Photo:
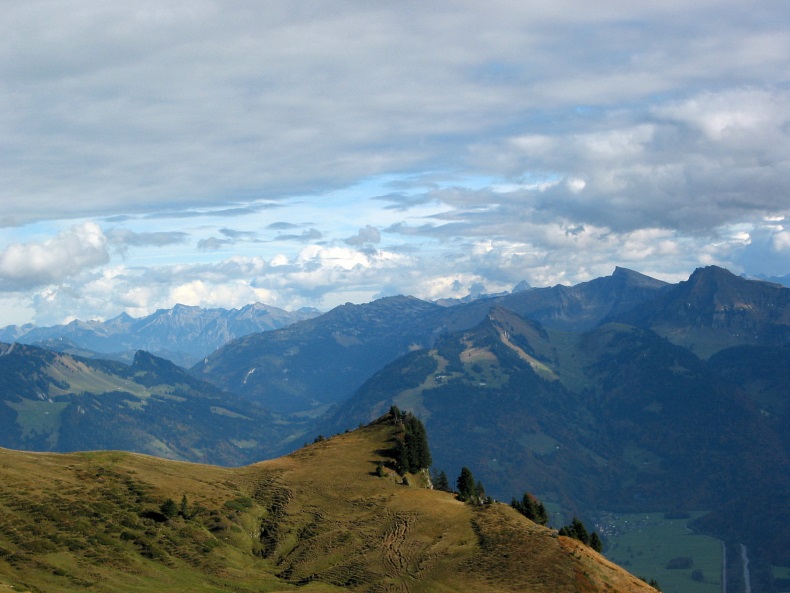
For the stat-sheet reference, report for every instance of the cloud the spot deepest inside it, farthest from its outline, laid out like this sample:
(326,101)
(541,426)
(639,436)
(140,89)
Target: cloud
(282,226)
(122,239)
(238,235)
(208,212)
(366,236)
(231,237)
(435,146)
(404,202)
(781,241)
(28,265)
(213,244)
(304,237)
(692,165)
(240,103)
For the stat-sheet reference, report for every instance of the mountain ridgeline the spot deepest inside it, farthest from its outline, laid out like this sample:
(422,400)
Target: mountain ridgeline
(622,393)
(310,365)
(182,334)
(57,402)
(318,520)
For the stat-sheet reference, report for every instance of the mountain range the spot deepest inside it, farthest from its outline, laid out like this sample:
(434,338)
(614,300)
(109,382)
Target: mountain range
(308,366)
(614,418)
(50,401)
(182,334)
(622,393)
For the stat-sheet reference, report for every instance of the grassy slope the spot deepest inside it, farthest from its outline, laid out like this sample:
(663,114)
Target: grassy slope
(318,520)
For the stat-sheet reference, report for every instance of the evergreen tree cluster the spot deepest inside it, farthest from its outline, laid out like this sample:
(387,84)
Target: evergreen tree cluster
(470,490)
(531,508)
(411,452)
(578,531)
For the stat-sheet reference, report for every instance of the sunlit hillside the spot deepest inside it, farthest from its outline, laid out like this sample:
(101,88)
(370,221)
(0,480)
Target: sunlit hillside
(318,520)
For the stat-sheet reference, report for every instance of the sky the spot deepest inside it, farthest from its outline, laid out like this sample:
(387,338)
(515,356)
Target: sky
(312,153)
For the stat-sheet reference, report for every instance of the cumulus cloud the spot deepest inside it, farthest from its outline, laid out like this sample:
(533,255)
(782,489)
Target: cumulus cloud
(28,265)
(693,165)
(781,241)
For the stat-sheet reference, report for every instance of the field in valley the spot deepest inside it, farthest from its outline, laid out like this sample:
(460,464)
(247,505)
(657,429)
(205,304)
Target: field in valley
(649,545)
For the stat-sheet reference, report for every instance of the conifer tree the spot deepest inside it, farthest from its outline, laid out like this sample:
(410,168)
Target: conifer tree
(581,531)
(531,508)
(480,492)
(542,516)
(595,542)
(577,530)
(465,484)
(169,508)
(440,481)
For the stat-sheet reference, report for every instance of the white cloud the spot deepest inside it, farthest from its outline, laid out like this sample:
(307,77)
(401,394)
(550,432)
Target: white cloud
(234,294)
(575,185)
(500,141)
(27,265)
(781,241)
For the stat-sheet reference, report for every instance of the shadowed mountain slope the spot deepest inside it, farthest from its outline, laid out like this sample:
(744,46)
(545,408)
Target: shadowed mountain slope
(585,305)
(715,309)
(319,520)
(311,364)
(321,361)
(615,418)
(56,402)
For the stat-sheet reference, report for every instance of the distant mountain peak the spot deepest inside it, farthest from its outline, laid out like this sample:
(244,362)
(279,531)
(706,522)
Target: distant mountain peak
(145,361)
(178,308)
(122,317)
(521,287)
(723,277)
(711,272)
(715,309)
(184,333)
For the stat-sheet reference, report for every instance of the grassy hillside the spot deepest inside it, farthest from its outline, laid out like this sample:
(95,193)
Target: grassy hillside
(56,402)
(319,520)
(617,418)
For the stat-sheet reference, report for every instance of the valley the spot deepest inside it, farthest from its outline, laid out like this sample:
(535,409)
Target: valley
(604,395)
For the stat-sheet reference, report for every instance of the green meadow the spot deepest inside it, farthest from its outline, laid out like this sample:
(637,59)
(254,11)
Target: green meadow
(649,545)
(782,576)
